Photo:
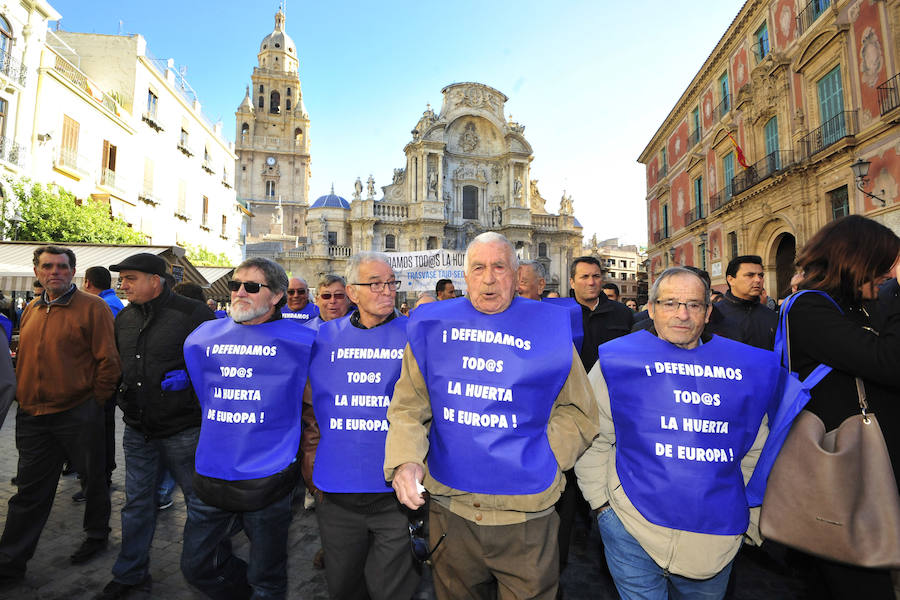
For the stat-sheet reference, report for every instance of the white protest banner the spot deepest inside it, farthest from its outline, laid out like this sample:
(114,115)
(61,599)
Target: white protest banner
(420,271)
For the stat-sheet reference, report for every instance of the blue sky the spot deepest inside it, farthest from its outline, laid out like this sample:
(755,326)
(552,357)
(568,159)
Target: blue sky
(590,80)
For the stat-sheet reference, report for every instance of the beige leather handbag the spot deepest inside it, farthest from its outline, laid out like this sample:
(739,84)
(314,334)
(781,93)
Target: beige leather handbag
(833,494)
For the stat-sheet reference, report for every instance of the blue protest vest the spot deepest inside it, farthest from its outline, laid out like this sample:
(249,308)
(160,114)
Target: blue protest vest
(352,375)
(304,314)
(684,419)
(574,315)
(492,381)
(249,380)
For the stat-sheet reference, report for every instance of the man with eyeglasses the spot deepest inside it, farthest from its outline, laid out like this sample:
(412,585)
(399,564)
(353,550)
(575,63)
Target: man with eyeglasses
(493,393)
(331,299)
(683,420)
(355,364)
(298,305)
(246,370)
(160,410)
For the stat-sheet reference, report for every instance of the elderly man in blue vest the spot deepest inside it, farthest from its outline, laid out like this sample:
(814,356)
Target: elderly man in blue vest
(492,391)
(246,371)
(683,422)
(355,364)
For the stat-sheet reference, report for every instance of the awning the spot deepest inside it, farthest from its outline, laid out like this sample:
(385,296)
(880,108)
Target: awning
(17,267)
(218,278)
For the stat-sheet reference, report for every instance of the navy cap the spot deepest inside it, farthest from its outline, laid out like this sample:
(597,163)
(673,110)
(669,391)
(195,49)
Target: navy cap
(145,262)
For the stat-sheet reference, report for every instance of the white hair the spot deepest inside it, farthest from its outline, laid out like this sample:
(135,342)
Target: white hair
(492,237)
(363,257)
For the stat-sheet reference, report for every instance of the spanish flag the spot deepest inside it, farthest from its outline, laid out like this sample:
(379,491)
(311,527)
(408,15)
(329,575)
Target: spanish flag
(742,160)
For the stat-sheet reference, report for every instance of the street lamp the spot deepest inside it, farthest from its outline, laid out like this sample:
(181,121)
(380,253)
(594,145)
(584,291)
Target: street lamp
(861,173)
(17,221)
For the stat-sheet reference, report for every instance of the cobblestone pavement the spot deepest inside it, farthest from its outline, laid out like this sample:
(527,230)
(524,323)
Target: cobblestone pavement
(50,576)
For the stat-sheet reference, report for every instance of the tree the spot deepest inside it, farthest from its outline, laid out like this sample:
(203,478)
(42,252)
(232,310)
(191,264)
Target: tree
(201,257)
(52,214)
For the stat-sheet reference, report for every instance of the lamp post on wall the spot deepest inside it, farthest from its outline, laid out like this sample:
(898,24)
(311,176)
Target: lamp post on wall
(861,173)
(16,221)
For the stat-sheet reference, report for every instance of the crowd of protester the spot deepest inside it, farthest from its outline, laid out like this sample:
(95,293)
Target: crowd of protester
(474,432)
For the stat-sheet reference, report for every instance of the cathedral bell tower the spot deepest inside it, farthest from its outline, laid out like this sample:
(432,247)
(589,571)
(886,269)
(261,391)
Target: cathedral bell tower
(272,142)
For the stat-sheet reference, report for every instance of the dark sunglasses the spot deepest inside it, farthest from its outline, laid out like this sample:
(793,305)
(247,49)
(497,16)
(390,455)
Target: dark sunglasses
(296,292)
(418,543)
(337,296)
(250,286)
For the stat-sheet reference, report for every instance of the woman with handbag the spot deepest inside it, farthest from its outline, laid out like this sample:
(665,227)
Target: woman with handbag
(848,260)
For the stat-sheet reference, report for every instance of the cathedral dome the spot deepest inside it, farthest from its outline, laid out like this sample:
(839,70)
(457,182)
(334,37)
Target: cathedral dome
(278,40)
(331,200)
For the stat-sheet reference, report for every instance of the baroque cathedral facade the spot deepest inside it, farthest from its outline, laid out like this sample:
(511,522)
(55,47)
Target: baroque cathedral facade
(467,170)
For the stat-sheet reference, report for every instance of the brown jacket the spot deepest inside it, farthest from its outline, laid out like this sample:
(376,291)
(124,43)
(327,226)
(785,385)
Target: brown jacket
(572,425)
(67,354)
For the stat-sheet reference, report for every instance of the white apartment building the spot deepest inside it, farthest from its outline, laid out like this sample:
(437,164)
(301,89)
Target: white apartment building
(116,124)
(23,26)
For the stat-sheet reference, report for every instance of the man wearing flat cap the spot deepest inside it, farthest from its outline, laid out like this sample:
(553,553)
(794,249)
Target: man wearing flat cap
(161,412)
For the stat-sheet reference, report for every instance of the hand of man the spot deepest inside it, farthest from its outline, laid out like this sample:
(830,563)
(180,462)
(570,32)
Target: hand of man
(406,477)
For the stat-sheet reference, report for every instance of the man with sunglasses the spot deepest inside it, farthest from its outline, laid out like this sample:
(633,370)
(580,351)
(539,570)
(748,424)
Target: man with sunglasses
(331,299)
(355,364)
(160,409)
(246,370)
(298,305)
(493,393)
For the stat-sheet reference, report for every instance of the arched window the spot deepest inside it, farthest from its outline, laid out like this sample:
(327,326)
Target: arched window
(287,103)
(542,250)
(390,242)
(470,202)
(6,36)
(262,90)
(298,135)
(245,129)
(262,102)
(431,243)
(275,102)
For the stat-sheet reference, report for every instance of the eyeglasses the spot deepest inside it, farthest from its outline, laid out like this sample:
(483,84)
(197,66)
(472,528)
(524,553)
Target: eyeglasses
(671,306)
(337,296)
(378,286)
(296,292)
(250,286)
(417,541)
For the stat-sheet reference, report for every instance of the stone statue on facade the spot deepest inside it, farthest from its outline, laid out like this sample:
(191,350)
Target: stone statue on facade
(432,184)
(370,188)
(517,188)
(398,176)
(357,189)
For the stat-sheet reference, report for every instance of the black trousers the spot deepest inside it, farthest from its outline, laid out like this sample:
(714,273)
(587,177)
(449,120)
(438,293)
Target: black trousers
(43,443)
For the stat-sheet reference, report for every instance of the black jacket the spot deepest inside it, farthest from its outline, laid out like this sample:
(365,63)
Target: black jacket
(608,321)
(819,333)
(150,338)
(748,321)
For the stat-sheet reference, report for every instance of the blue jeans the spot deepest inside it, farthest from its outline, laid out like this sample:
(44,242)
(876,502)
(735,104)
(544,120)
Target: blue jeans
(209,565)
(638,577)
(143,461)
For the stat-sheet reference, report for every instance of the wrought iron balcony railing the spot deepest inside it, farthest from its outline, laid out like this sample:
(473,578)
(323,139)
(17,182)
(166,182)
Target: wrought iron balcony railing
(812,11)
(723,107)
(762,170)
(693,138)
(10,151)
(834,129)
(889,94)
(12,68)
(694,215)
(660,234)
(721,198)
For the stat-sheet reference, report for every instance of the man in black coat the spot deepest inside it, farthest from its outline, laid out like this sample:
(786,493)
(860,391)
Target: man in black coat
(161,412)
(603,319)
(748,320)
